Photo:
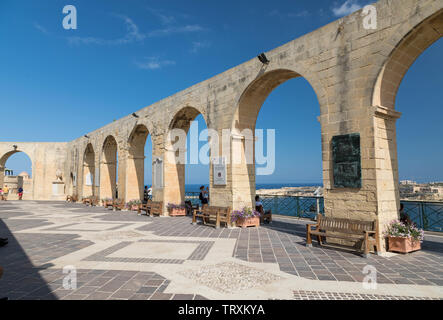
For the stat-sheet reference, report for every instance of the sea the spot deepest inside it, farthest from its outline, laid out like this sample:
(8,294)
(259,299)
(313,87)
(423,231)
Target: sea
(196,187)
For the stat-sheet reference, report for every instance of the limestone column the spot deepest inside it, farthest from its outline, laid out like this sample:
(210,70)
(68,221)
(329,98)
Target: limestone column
(108,172)
(174,179)
(135,178)
(121,181)
(386,167)
(242,171)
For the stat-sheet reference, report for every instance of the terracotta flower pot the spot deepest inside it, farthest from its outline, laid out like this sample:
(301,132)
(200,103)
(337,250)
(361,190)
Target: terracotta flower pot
(403,245)
(173,212)
(134,207)
(248,222)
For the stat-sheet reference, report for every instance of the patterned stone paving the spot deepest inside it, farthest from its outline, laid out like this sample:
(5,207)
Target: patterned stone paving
(91,285)
(230,277)
(284,242)
(52,235)
(320,295)
(199,253)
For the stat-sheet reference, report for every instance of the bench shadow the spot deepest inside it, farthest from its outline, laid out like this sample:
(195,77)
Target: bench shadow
(21,279)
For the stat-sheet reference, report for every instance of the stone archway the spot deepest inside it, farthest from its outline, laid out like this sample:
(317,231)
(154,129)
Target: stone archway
(135,169)
(406,51)
(88,171)
(108,168)
(408,46)
(175,162)
(243,138)
(16,181)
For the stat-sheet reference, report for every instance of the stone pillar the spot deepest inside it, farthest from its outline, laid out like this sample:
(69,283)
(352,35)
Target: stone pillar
(386,167)
(2,176)
(121,182)
(174,180)
(88,170)
(135,178)
(108,172)
(242,172)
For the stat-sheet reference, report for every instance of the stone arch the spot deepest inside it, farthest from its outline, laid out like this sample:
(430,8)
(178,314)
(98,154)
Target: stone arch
(135,163)
(174,170)
(409,44)
(108,168)
(88,171)
(243,130)
(29,188)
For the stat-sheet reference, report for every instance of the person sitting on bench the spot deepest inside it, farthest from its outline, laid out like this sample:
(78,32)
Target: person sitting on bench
(265,216)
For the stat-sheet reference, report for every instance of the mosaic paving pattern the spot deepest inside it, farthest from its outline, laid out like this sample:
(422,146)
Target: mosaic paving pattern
(284,243)
(230,277)
(199,253)
(91,285)
(59,230)
(319,295)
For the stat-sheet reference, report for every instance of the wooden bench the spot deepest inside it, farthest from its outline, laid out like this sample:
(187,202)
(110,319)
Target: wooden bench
(190,208)
(91,201)
(152,208)
(213,216)
(264,214)
(365,232)
(118,204)
(72,198)
(108,203)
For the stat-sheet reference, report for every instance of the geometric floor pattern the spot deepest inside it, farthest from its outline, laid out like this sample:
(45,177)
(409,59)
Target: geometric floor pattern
(121,255)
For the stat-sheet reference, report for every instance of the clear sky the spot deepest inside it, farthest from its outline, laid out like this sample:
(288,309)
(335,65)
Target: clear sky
(57,84)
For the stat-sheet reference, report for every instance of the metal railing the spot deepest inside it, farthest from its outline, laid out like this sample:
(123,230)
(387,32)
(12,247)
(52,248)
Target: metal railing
(427,215)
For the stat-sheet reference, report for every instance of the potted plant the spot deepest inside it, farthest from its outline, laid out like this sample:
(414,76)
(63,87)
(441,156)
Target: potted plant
(246,217)
(403,237)
(133,204)
(176,209)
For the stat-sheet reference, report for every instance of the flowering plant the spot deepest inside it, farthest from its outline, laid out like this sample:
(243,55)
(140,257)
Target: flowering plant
(244,213)
(176,206)
(133,202)
(399,229)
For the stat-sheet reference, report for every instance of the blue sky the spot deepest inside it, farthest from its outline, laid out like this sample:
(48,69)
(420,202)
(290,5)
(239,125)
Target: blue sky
(57,84)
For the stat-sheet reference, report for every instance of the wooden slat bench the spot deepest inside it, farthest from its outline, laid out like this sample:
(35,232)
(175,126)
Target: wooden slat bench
(91,201)
(152,208)
(213,216)
(108,203)
(118,204)
(72,198)
(353,230)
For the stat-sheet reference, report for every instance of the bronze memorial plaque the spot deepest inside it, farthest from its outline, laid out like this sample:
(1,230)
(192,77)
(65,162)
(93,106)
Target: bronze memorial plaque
(346,161)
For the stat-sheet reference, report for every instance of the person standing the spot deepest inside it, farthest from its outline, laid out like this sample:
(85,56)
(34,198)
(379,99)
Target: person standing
(145,195)
(20,193)
(203,196)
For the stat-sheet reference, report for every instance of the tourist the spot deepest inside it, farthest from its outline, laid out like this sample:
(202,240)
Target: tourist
(265,216)
(20,193)
(203,196)
(404,217)
(5,192)
(150,192)
(1,194)
(145,195)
